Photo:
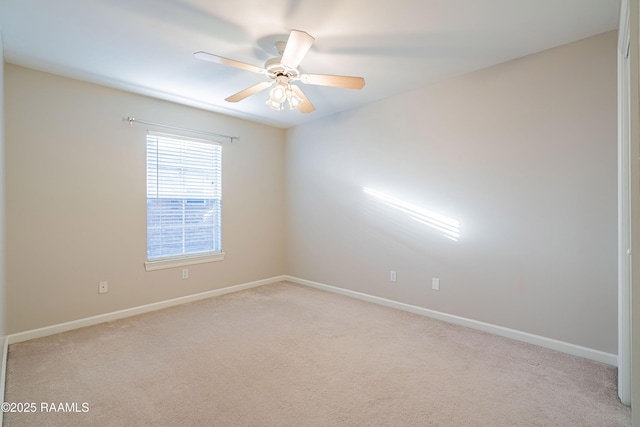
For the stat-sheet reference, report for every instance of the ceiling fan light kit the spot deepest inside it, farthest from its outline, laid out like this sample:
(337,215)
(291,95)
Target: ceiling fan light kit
(283,70)
(281,93)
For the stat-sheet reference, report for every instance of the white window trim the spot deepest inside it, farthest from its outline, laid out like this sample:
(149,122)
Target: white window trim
(185,259)
(180,262)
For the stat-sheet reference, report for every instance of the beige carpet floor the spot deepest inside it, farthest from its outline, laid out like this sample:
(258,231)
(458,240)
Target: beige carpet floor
(288,355)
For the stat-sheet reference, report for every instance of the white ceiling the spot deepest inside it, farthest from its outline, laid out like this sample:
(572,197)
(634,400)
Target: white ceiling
(147,46)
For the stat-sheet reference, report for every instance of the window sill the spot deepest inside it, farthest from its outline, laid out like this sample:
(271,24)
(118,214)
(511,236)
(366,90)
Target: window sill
(180,262)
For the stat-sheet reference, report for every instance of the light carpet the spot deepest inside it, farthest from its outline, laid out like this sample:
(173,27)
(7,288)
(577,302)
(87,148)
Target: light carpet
(288,355)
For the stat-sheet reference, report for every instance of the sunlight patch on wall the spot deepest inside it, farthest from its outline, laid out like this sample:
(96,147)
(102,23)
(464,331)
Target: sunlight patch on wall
(449,227)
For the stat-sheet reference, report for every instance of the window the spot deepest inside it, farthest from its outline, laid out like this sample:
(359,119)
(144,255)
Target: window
(184,201)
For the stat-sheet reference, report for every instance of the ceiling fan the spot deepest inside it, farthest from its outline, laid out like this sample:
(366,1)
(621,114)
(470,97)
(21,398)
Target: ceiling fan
(282,71)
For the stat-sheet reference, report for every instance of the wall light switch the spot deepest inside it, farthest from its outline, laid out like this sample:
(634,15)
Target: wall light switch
(392,276)
(435,284)
(185,273)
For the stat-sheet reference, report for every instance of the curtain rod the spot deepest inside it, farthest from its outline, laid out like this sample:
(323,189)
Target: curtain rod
(132,120)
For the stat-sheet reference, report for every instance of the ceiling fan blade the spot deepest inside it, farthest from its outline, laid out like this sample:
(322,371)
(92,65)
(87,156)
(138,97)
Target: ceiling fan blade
(306,106)
(248,92)
(226,61)
(335,81)
(297,47)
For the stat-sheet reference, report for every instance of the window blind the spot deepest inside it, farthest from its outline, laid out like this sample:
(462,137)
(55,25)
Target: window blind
(184,197)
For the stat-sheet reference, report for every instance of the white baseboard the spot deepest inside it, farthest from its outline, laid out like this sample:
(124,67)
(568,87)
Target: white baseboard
(564,347)
(561,346)
(107,317)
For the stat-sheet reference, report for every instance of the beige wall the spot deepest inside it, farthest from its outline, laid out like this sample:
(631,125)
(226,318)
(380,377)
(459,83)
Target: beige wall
(522,154)
(75,208)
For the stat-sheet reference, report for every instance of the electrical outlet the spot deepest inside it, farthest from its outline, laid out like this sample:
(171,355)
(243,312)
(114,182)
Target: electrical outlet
(435,284)
(392,276)
(103,287)
(185,273)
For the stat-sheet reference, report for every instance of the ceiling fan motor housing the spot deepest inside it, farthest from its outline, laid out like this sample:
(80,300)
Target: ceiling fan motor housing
(275,69)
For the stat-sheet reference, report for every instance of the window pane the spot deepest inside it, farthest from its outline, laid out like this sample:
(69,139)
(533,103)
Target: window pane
(183,197)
